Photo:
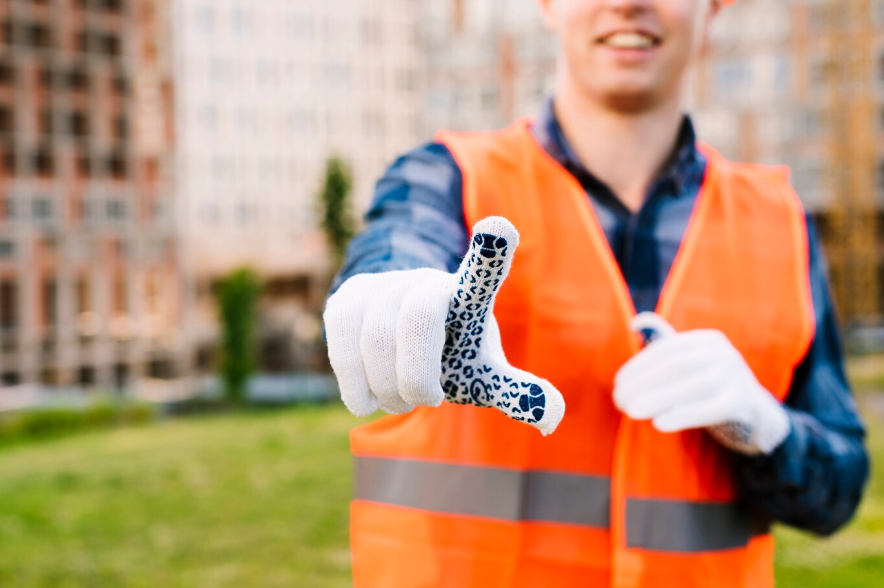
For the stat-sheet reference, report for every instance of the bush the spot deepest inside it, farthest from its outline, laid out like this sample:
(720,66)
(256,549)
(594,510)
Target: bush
(337,222)
(237,305)
(50,423)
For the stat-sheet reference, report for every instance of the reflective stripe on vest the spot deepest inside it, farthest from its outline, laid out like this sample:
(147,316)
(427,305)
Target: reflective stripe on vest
(553,497)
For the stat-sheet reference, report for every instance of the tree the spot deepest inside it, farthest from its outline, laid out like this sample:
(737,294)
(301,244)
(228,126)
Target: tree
(237,301)
(337,217)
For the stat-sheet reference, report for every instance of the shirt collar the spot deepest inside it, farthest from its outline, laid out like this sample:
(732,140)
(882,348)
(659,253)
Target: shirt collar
(684,168)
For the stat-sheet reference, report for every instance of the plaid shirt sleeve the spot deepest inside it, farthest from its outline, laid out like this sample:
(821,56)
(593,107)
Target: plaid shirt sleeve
(415,220)
(814,480)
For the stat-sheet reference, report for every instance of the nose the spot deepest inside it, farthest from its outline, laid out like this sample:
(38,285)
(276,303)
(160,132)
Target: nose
(630,7)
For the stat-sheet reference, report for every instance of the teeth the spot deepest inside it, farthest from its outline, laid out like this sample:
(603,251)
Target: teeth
(629,41)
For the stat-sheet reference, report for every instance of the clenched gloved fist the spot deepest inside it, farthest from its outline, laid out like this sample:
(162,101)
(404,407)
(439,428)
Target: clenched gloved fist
(401,339)
(698,379)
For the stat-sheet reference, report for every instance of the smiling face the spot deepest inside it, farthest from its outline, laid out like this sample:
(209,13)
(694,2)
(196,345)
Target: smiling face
(628,54)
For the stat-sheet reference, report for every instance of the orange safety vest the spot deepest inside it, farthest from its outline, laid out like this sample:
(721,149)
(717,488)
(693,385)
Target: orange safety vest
(460,496)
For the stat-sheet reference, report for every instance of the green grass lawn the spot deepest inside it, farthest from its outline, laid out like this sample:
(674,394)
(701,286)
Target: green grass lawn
(255,500)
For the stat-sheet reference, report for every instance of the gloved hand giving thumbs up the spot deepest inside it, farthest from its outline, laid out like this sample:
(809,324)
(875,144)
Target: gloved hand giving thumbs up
(401,339)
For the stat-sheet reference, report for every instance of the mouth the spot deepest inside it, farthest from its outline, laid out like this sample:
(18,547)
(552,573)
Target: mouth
(630,40)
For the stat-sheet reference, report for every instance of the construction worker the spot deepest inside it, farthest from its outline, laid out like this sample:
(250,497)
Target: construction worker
(634,397)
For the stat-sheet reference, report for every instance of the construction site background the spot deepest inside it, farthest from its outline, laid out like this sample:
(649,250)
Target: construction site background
(150,146)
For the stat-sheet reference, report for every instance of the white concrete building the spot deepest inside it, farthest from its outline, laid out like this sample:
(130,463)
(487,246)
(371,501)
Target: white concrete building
(265,92)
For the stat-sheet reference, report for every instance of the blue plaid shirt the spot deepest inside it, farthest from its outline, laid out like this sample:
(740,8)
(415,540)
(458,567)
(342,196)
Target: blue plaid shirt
(814,479)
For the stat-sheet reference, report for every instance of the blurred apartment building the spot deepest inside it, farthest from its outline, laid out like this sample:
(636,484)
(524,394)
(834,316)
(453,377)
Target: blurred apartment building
(266,91)
(801,82)
(88,274)
(798,82)
(487,62)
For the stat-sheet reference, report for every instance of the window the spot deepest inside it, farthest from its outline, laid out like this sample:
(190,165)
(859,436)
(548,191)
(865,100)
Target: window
(82,41)
(7,119)
(113,5)
(46,122)
(731,76)
(116,209)
(120,85)
(43,161)
(8,304)
(86,375)
(49,294)
(10,208)
(40,36)
(111,45)
(7,29)
(821,72)
(78,79)
(42,209)
(489,99)
(84,297)
(7,249)
(205,17)
(47,77)
(84,166)
(9,160)
(116,165)
(11,378)
(7,74)
(241,21)
(121,127)
(809,122)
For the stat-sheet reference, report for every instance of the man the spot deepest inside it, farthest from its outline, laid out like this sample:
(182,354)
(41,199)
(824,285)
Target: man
(654,466)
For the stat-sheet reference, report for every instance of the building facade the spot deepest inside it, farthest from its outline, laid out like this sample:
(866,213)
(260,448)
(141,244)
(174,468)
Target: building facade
(800,82)
(265,93)
(89,278)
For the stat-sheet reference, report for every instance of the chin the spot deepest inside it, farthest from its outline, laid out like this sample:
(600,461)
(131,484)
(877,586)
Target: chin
(628,99)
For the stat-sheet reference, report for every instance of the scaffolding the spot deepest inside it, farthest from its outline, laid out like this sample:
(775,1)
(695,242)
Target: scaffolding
(850,112)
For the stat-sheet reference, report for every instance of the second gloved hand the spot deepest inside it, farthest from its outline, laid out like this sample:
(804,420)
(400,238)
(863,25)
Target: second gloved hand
(401,339)
(698,379)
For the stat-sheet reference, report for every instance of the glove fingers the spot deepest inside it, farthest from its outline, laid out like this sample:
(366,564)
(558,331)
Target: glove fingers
(378,346)
(420,337)
(343,324)
(482,272)
(665,355)
(644,400)
(695,415)
(634,387)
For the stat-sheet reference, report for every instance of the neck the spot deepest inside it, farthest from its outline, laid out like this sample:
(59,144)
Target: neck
(625,150)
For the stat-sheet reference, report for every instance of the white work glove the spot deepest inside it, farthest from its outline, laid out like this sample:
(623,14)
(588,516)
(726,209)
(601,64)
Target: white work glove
(698,379)
(401,339)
